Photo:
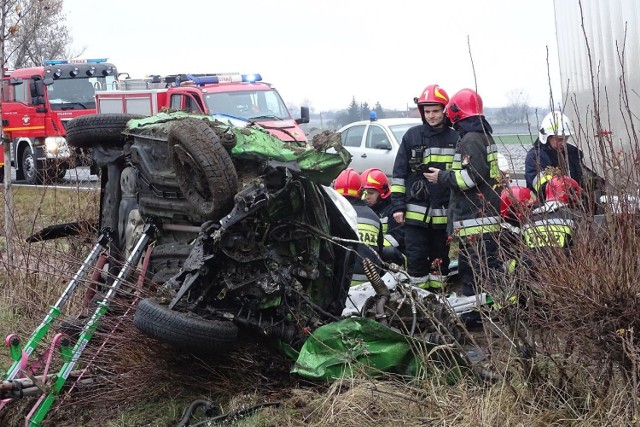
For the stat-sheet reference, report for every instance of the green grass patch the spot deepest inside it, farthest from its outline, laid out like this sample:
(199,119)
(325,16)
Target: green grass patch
(525,140)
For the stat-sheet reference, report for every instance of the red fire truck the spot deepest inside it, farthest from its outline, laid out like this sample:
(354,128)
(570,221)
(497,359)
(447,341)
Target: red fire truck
(237,98)
(37,103)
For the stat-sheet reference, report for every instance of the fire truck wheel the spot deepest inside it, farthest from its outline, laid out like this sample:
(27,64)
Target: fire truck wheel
(55,173)
(98,129)
(204,170)
(1,174)
(184,330)
(31,168)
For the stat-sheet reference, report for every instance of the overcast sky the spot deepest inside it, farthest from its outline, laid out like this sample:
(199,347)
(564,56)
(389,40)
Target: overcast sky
(323,53)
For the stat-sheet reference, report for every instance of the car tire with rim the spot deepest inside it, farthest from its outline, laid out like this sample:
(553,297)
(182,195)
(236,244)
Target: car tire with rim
(204,170)
(98,129)
(184,330)
(31,167)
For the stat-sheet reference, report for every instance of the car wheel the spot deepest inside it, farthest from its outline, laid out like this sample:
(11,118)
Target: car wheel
(204,170)
(31,167)
(184,330)
(98,129)
(110,196)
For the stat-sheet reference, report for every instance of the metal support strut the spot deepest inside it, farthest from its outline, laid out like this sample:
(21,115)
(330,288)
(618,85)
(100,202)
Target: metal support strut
(43,404)
(21,357)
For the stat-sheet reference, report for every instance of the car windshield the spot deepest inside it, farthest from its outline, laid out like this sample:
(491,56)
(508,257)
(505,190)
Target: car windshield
(262,105)
(77,93)
(400,129)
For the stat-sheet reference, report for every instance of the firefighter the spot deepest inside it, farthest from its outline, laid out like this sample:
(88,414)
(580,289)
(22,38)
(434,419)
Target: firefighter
(421,205)
(475,202)
(554,222)
(551,154)
(349,185)
(375,186)
(516,203)
(515,209)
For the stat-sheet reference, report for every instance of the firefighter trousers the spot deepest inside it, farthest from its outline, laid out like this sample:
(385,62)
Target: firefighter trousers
(423,246)
(478,263)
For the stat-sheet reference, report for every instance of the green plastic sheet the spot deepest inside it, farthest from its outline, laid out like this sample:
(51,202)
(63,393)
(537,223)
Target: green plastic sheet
(361,345)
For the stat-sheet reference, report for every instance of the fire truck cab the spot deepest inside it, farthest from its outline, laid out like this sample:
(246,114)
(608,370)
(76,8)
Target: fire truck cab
(237,98)
(37,103)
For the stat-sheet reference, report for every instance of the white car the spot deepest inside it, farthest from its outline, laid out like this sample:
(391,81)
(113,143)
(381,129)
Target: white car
(374,144)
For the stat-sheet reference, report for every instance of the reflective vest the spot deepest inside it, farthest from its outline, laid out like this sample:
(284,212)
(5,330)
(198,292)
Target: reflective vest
(370,235)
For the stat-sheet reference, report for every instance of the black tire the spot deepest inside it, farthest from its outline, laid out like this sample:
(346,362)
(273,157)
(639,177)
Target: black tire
(204,170)
(55,173)
(31,167)
(183,330)
(98,129)
(1,174)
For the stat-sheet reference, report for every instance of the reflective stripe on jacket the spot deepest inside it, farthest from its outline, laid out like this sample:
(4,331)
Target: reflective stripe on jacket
(473,180)
(422,147)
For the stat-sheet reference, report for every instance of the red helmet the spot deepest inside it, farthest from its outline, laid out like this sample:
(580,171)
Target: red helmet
(514,202)
(348,183)
(433,94)
(376,179)
(465,103)
(562,189)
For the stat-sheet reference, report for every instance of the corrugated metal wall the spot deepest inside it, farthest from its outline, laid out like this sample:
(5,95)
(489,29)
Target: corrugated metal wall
(594,55)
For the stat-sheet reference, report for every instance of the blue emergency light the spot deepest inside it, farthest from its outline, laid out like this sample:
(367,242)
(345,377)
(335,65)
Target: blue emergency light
(74,61)
(251,78)
(209,79)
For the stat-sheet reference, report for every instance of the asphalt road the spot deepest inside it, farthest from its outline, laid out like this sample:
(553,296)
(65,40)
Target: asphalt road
(78,177)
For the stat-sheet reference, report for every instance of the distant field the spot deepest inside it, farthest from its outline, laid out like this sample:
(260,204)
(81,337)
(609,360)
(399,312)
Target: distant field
(515,139)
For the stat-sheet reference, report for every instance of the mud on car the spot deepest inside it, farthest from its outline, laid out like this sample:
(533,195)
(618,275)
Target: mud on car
(248,233)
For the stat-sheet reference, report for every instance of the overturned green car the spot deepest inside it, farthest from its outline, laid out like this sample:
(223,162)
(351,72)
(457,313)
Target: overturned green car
(251,236)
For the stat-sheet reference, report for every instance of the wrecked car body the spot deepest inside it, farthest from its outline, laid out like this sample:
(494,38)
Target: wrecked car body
(249,233)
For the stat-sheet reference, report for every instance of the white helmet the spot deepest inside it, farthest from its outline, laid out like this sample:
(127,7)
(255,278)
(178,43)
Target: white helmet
(554,123)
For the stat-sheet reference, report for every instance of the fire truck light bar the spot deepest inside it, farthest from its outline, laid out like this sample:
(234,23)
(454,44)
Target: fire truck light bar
(200,79)
(74,61)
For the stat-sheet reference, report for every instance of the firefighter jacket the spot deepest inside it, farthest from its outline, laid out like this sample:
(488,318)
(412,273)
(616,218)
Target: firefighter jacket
(371,239)
(392,231)
(541,157)
(551,225)
(475,201)
(423,203)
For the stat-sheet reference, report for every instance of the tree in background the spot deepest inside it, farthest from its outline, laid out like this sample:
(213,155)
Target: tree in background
(353,112)
(379,111)
(517,108)
(32,31)
(365,111)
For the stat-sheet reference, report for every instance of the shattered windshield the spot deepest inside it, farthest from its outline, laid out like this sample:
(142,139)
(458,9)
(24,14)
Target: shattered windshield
(263,105)
(77,93)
